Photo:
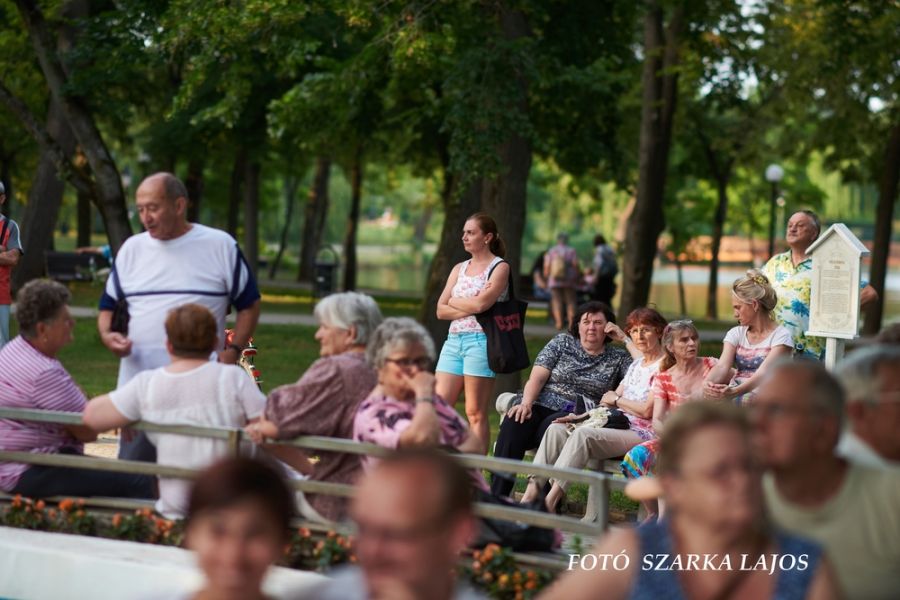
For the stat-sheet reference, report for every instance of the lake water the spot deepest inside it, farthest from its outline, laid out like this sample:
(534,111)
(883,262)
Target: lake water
(398,270)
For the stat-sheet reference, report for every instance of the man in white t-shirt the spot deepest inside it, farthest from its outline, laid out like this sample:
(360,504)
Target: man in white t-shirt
(871,377)
(192,390)
(172,263)
(851,510)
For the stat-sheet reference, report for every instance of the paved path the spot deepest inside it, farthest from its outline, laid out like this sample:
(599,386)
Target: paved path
(547,331)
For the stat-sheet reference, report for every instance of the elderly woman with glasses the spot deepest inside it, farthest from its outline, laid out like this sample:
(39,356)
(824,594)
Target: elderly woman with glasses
(324,400)
(403,410)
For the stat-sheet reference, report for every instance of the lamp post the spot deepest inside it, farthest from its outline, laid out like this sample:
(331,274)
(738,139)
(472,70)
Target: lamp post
(774,174)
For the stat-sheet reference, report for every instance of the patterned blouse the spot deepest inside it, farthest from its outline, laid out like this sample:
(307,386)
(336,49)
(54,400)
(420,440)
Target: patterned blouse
(793,285)
(748,357)
(574,373)
(381,419)
(469,286)
(638,381)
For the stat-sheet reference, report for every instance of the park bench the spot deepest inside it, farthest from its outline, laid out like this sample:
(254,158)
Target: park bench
(73,266)
(600,483)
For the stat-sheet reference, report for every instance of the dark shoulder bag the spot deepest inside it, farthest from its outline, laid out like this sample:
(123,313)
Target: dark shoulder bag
(120,316)
(504,325)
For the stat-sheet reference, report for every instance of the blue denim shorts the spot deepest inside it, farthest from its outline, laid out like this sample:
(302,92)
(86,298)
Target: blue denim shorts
(465,354)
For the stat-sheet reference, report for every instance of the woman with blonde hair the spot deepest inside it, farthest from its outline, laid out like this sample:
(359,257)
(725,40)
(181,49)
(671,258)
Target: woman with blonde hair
(754,344)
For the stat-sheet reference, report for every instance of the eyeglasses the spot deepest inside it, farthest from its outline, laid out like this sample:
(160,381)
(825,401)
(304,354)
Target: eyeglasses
(641,330)
(423,362)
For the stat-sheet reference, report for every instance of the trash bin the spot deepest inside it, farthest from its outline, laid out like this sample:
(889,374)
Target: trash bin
(325,271)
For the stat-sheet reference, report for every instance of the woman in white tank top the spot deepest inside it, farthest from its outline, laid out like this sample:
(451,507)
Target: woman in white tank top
(473,286)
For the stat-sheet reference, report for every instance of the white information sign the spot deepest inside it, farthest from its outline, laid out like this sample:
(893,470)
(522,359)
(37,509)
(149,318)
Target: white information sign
(834,300)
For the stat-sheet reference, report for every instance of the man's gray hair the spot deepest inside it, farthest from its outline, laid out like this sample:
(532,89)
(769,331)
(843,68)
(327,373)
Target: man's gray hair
(859,373)
(350,309)
(825,391)
(395,333)
(2,189)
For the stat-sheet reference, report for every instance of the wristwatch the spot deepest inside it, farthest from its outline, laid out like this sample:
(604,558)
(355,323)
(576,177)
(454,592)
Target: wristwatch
(428,399)
(237,348)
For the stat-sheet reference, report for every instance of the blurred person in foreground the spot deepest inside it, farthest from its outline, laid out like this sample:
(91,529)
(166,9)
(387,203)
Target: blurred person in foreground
(414,517)
(324,400)
(871,377)
(711,484)
(852,510)
(238,524)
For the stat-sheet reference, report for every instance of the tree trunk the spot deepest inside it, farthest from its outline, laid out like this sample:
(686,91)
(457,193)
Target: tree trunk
(682,300)
(659,81)
(457,208)
(194,184)
(887,196)
(290,198)
(44,199)
(6,179)
(314,219)
(236,190)
(251,215)
(110,196)
(84,225)
(356,176)
(712,292)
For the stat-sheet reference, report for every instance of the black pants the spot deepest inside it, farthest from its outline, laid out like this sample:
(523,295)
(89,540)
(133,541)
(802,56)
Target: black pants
(39,481)
(138,447)
(515,439)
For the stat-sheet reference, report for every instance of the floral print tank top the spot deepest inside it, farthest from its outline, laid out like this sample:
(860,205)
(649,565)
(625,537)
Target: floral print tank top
(469,286)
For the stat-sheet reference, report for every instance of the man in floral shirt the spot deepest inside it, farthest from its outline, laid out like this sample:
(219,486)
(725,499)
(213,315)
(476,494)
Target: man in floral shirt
(790,273)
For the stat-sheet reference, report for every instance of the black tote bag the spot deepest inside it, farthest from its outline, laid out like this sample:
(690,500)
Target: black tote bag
(504,325)
(120,315)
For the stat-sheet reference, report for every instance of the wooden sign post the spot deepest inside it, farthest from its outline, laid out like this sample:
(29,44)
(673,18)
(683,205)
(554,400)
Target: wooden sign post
(834,302)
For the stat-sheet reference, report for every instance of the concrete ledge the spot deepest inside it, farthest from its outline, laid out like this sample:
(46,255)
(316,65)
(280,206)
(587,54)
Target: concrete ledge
(39,565)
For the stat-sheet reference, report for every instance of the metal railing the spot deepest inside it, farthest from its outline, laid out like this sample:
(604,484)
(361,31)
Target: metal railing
(600,483)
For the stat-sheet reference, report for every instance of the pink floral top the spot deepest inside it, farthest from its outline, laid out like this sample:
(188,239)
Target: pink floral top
(469,286)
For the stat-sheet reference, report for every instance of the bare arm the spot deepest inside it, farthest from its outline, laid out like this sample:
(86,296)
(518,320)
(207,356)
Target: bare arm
(534,385)
(867,296)
(10,258)
(751,383)
(81,433)
(244,326)
(660,406)
(721,372)
(486,297)
(117,343)
(102,415)
(425,429)
(445,312)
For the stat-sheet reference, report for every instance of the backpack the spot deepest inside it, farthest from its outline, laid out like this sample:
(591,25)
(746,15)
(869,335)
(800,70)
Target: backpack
(558,267)
(609,267)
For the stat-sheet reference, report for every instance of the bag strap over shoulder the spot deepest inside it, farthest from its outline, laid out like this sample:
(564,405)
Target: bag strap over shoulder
(512,294)
(3,231)
(120,293)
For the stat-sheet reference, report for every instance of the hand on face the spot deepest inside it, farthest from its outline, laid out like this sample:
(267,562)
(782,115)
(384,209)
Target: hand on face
(420,382)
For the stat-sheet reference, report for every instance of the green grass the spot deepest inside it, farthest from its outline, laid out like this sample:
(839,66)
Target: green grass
(285,352)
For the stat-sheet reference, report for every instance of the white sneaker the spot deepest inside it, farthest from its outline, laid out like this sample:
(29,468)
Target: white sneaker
(505,402)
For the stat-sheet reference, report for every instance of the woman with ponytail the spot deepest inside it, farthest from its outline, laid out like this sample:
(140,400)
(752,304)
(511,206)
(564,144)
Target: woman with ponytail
(754,344)
(474,286)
